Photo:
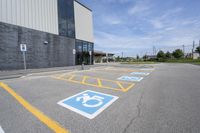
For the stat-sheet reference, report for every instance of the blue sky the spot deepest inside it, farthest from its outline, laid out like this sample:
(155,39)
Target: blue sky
(135,26)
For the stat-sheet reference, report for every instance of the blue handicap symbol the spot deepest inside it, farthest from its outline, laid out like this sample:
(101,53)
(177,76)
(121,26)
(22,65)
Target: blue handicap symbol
(88,103)
(140,73)
(130,78)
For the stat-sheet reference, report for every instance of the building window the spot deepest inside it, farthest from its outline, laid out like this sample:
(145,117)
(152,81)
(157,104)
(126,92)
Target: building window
(85,47)
(82,54)
(66,18)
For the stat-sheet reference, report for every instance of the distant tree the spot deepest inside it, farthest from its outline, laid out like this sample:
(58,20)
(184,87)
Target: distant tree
(178,53)
(161,55)
(198,50)
(118,59)
(138,57)
(145,57)
(168,55)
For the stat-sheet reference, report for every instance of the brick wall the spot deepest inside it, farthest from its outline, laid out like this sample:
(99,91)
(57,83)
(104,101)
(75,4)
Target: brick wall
(57,53)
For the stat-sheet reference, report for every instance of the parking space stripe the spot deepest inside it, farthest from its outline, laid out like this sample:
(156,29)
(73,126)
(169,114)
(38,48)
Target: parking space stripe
(71,77)
(99,82)
(84,79)
(125,90)
(53,125)
(119,84)
(1,130)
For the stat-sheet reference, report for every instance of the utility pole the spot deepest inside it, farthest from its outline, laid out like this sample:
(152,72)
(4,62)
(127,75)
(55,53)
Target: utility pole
(184,50)
(199,48)
(193,48)
(154,50)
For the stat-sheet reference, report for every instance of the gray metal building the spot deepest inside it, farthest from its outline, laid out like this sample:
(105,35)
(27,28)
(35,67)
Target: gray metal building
(51,30)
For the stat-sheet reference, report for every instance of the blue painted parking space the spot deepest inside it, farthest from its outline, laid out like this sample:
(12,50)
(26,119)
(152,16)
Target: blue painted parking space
(88,103)
(130,78)
(140,73)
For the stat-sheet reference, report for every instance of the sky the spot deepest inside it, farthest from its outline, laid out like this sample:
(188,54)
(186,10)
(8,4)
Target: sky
(135,26)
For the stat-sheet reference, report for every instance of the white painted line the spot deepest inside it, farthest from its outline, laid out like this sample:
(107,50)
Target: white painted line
(1,130)
(147,69)
(130,78)
(140,73)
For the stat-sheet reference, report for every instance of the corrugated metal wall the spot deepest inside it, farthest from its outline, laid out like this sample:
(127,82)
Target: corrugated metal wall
(35,14)
(83,23)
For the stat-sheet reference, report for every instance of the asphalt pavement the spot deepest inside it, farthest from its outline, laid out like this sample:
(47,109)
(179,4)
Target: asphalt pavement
(165,101)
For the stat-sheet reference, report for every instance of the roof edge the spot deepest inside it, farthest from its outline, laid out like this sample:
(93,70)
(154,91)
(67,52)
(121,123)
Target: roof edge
(83,5)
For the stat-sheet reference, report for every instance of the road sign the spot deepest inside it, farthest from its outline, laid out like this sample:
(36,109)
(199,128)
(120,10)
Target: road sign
(23,48)
(130,78)
(74,51)
(88,103)
(90,52)
(140,73)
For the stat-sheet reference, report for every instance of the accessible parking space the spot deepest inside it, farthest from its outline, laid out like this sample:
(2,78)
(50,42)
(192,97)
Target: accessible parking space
(79,101)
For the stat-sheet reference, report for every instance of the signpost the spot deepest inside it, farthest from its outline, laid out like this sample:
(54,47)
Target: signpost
(23,49)
(74,53)
(90,52)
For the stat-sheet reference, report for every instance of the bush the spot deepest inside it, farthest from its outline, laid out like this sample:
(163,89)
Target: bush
(178,54)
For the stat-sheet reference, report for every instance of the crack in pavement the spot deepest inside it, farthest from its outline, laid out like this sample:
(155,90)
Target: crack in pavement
(138,113)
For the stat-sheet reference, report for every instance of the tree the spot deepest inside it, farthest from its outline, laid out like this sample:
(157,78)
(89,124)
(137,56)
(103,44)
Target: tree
(161,55)
(168,55)
(178,53)
(138,57)
(145,57)
(198,50)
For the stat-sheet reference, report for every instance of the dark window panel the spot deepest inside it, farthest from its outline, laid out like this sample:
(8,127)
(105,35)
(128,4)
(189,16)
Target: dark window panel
(66,18)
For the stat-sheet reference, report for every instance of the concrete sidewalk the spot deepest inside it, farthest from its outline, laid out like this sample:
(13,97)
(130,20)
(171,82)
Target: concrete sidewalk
(19,73)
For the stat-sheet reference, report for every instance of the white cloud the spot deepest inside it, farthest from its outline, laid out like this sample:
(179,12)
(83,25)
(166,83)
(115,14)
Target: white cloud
(111,20)
(140,7)
(157,24)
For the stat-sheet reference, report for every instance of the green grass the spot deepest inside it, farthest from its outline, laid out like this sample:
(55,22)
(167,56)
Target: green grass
(191,61)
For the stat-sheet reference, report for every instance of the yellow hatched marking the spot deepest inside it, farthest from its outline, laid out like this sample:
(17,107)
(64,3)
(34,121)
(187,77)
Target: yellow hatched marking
(88,84)
(99,82)
(84,79)
(71,77)
(127,89)
(120,85)
(53,125)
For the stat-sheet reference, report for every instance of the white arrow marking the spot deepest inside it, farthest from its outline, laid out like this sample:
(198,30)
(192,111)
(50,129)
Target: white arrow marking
(1,130)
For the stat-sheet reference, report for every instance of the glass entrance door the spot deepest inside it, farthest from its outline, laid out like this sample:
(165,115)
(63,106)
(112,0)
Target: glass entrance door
(83,52)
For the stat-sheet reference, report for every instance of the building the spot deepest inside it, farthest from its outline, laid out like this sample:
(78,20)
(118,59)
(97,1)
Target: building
(56,33)
(102,57)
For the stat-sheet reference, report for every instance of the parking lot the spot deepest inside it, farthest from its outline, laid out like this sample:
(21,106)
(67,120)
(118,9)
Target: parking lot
(104,99)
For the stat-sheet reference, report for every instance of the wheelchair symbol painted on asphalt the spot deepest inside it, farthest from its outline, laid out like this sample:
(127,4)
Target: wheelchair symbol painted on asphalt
(88,103)
(130,78)
(140,73)
(87,98)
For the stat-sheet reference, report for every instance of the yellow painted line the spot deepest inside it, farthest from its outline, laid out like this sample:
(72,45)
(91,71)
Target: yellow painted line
(125,90)
(53,125)
(78,82)
(120,85)
(114,81)
(84,79)
(72,76)
(62,75)
(99,82)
